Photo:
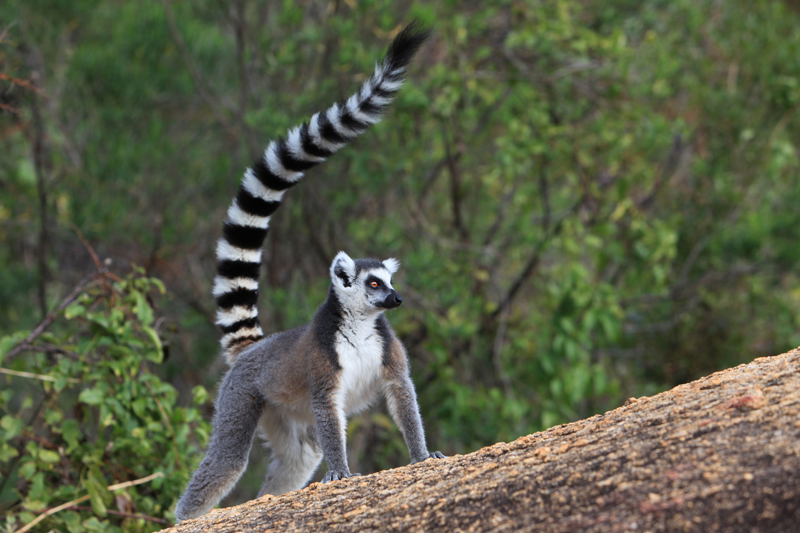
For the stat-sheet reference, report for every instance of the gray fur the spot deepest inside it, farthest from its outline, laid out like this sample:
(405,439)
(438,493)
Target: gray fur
(299,386)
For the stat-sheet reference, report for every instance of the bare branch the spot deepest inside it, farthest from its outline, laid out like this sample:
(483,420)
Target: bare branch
(533,262)
(135,482)
(125,515)
(42,165)
(50,348)
(44,324)
(73,503)
(41,440)
(497,350)
(483,121)
(23,83)
(31,375)
(9,108)
(671,165)
(501,210)
(455,186)
(52,511)
(98,265)
(545,191)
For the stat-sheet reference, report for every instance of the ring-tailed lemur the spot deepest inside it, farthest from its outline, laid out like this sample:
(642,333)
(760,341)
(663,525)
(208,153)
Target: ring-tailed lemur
(297,387)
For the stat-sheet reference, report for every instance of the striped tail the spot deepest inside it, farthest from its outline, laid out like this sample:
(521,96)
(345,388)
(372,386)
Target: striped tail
(282,166)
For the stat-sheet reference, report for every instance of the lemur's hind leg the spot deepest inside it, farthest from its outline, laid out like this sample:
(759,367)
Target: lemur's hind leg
(296,454)
(238,411)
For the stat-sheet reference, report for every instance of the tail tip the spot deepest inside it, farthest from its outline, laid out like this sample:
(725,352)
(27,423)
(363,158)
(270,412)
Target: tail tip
(406,44)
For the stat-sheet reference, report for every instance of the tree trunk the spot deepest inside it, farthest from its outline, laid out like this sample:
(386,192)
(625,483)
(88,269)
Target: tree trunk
(718,454)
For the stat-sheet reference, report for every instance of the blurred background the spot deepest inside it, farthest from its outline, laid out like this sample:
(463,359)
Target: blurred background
(591,200)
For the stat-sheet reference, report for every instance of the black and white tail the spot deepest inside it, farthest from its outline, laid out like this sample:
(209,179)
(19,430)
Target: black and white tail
(282,166)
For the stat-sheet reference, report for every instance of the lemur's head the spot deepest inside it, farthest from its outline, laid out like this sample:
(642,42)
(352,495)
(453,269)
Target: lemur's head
(365,285)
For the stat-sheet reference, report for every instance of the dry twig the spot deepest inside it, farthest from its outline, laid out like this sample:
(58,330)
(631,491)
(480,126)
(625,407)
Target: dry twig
(49,319)
(74,503)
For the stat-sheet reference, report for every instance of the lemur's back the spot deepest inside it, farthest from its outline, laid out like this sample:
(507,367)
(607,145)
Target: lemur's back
(278,364)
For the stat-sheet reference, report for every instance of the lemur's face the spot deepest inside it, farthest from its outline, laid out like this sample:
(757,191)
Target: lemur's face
(379,290)
(365,285)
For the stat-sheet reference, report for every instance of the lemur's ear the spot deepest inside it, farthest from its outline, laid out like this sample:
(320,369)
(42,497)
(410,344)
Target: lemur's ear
(343,270)
(391,265)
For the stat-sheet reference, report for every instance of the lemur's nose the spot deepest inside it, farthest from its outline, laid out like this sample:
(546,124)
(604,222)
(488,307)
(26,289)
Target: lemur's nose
(392,301)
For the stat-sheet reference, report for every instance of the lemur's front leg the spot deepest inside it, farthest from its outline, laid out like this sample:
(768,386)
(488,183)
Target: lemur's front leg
(401,399)
(331,431)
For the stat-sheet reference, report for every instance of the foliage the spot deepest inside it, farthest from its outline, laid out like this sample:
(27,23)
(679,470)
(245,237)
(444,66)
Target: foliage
(591,199)
(88,412)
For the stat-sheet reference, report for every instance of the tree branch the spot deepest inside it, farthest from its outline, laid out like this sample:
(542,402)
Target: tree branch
(125,515)
(533,262)
(41,166)
(44,324)
(31,375)
(455,186)
(73,503)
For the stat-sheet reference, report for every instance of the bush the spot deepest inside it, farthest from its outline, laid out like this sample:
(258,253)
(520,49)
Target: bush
(87,414)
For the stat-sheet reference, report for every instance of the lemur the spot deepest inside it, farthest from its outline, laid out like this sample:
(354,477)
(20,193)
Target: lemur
(298,387)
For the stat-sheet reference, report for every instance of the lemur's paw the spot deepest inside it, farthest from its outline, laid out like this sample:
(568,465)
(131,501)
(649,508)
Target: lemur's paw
(431,455)
(335,475)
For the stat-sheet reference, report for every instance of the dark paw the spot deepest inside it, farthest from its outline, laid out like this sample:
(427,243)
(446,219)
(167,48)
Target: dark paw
(431,455)
(335,475)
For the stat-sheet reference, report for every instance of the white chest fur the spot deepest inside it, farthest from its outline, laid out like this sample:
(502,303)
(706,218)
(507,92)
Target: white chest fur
(360,351)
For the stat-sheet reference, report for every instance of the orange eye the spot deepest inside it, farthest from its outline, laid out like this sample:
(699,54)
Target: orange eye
(374,284)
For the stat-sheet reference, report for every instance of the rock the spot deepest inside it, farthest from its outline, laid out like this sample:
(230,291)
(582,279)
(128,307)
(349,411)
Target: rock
(719,454)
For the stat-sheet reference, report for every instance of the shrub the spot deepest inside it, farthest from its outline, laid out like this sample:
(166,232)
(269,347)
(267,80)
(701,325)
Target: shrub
(86,420)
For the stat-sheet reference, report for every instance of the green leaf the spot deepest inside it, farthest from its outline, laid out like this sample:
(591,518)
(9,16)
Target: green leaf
(53,416)
(71,433)
(34,505)
(60,383)
(200,395)
(74,310)
(93,524)
(97,504)
(159,285)
(9,341)
(26,517)
(7,453)
(142,309)
(72,520)
(140,407)
(12,426)
(97,490)
(28,470)
(49,456)
(26,172)
(158,355)
(93,396)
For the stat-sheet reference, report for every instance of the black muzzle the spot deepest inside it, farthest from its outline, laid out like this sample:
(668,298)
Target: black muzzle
(392,301)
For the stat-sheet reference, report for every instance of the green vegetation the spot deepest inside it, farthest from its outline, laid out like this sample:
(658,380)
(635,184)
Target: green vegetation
(92,413)
(591,200)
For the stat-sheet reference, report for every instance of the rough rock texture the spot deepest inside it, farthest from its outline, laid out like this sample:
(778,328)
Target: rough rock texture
(719,454)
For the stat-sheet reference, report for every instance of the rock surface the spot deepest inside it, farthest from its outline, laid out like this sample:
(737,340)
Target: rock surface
(718,454)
